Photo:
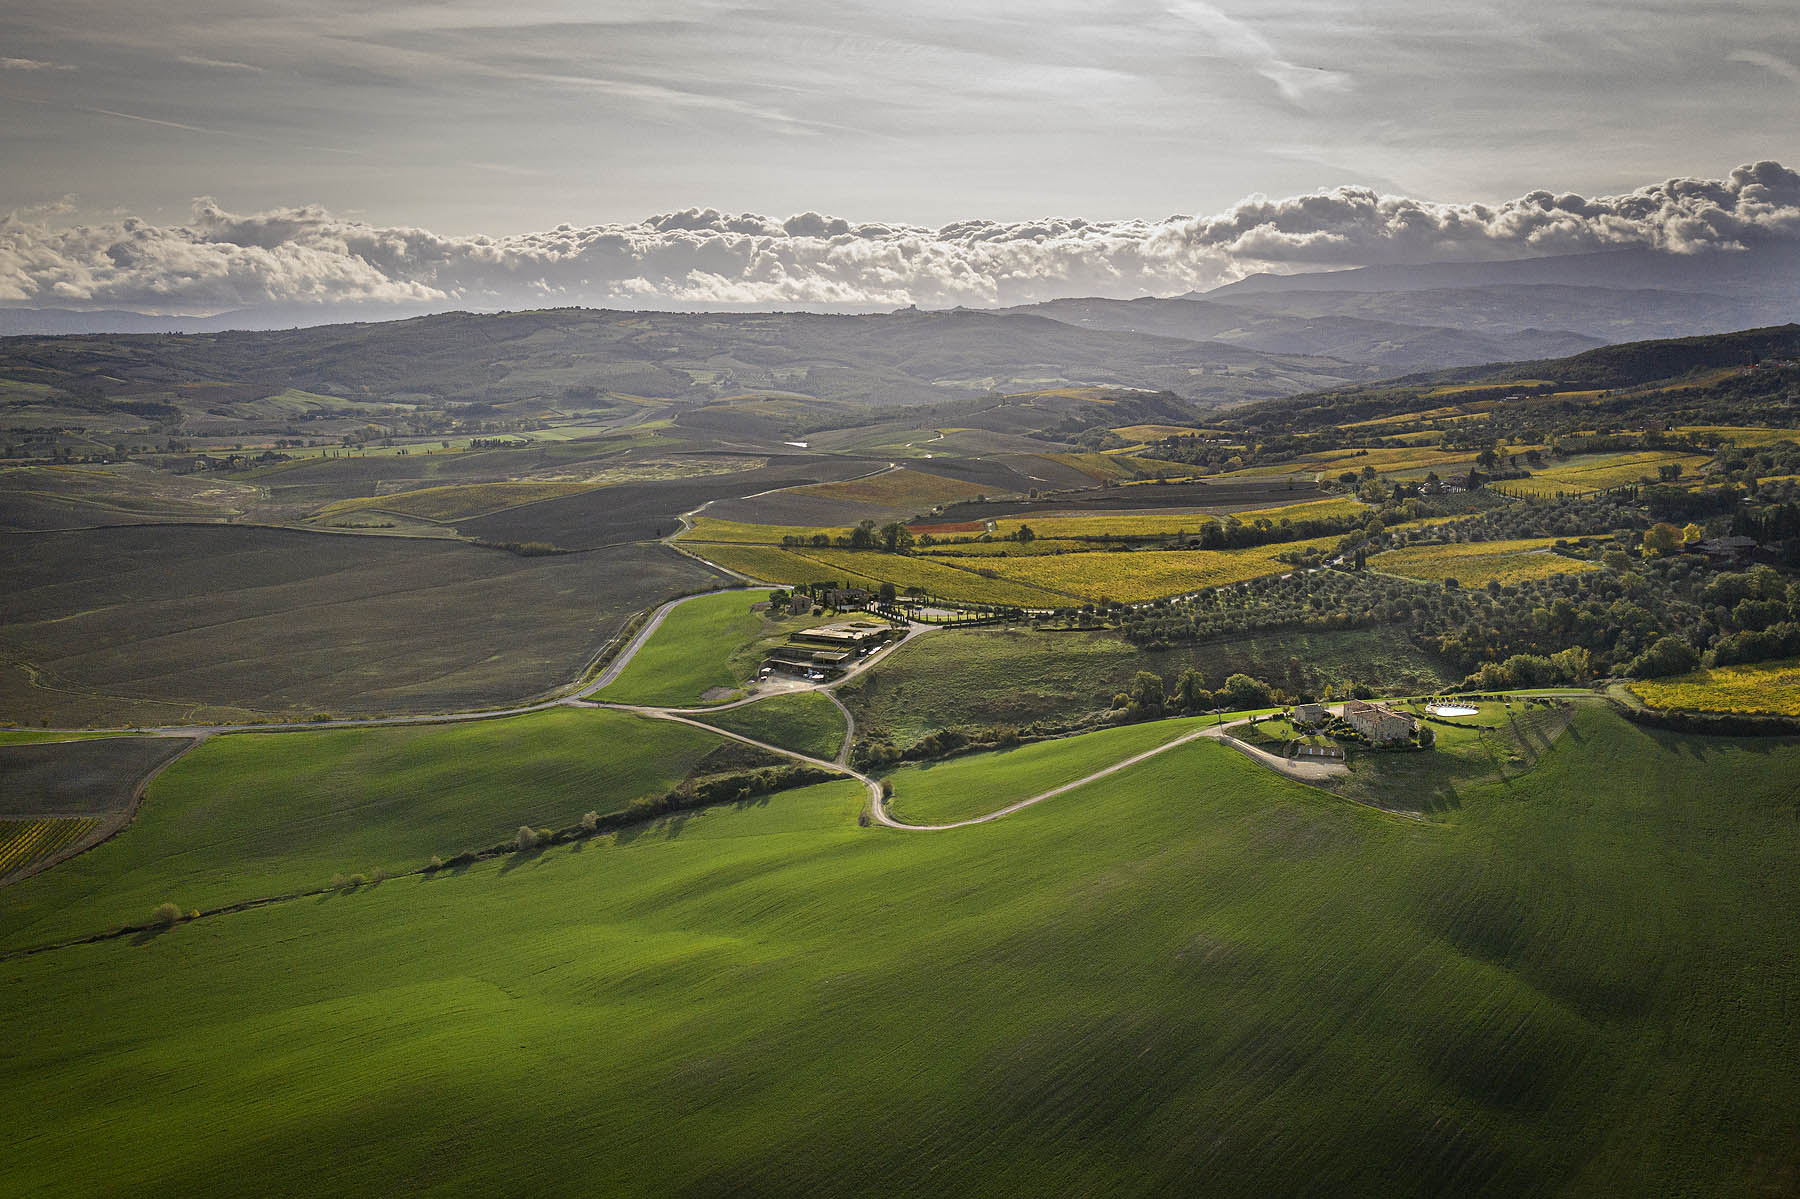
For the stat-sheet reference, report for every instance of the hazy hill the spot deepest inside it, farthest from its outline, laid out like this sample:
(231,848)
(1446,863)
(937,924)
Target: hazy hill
(902,358)
(1622,296)
(1381,343)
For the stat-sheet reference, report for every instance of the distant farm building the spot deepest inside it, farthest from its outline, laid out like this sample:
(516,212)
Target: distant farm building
(1378,723)
(846,598)
(829,650)
(1310,714)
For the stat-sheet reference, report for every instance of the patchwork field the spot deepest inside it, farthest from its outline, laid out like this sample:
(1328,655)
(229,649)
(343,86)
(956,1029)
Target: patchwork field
(1771,688)
(1533,995)
(1474,563)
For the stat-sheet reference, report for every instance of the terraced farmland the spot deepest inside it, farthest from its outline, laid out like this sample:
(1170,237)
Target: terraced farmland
(1476,563)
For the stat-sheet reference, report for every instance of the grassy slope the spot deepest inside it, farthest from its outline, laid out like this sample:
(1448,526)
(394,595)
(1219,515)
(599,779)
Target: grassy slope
(957,789)
(804,721)
(995,676)
(264,814)
(682,660)
(1199,977)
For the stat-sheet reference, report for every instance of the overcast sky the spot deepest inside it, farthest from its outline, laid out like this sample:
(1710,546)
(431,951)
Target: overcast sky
(481,118)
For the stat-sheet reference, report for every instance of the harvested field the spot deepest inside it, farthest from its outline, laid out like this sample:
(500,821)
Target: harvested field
(637,511)
(457,501)
(86,777)
(907,487)
(188,623)
(38,498)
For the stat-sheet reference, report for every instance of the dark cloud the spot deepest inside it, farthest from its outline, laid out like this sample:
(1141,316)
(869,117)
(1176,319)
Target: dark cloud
(704,257)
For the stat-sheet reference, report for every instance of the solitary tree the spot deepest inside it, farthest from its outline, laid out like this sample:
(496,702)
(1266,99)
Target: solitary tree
(1662,538)
(1147,691)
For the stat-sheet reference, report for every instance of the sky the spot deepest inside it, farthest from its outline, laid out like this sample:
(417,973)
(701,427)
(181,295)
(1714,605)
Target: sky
(461,120)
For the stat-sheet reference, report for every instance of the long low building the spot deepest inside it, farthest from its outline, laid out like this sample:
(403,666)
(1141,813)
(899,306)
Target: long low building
(829,649)
(859,636)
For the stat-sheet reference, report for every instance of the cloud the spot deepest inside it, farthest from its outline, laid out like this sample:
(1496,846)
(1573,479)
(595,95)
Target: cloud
(1235,40)
(219,64)
(32,64)
(703,257)
(1767,62)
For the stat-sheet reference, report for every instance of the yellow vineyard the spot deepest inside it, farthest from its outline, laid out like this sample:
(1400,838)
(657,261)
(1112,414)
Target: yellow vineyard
(1601,471)
(1765,688)
(1475,563)
(25,842)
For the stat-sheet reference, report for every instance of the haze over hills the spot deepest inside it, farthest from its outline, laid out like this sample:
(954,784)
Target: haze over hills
(1390,317)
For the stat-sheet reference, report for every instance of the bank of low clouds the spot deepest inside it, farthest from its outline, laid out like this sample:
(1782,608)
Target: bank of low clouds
(705,258)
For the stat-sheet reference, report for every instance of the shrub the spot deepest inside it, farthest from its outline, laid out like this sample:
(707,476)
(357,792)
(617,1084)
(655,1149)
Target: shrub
(169,914)
(525,839)
(435,864)
(590,821)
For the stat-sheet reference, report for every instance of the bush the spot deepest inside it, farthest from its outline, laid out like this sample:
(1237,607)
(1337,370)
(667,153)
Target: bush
(435,864)
(1670,655)
(526,839)
(590,821)
(169,915)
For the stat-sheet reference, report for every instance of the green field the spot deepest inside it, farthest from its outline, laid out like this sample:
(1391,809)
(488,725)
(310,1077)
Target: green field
(805,721)
(705,651)
(963,677)
(256,814)
(961,788)
(1193,976)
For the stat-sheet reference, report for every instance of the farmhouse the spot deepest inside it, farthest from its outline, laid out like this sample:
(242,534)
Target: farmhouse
(1309,714)
(1379,724)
